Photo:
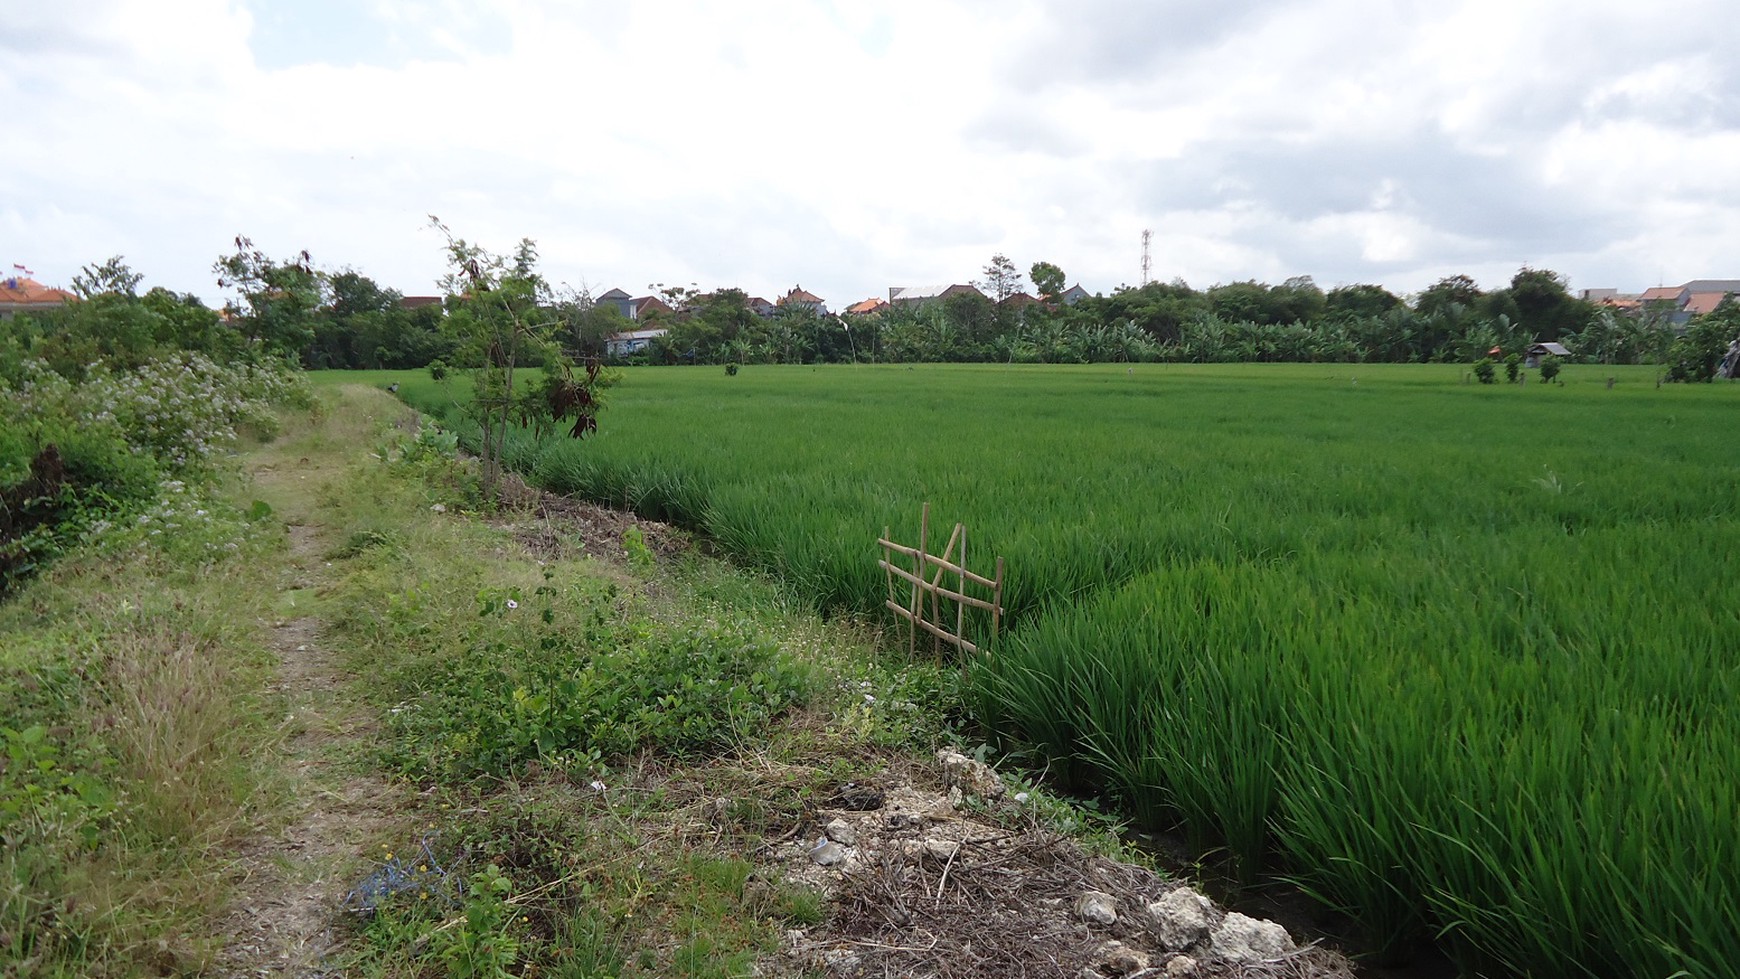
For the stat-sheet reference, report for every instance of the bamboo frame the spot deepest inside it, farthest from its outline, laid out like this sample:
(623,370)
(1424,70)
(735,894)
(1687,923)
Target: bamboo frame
(927,588)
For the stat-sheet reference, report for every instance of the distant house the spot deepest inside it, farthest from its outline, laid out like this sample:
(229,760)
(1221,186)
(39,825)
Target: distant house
(21,294)
(1019,300)
(1694,298)
(623,302)
(1699,303)
(1540,350)
(918,295)
(867,307)
(622,345)
(418,302)
(801,299)
(1710,285)
(646,306)
(1068,297)
(760,306)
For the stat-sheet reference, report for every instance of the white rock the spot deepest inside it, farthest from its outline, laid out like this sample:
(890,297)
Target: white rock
(1181,965)
(1117,959)
(841,832)
(828,853)
(939,849)
(970,775)
(1097,907)
(1181,918)
(904,820)
(842,962)
(1241,938)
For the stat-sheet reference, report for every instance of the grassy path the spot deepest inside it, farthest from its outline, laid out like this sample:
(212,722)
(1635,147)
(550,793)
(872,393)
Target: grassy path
(291,877)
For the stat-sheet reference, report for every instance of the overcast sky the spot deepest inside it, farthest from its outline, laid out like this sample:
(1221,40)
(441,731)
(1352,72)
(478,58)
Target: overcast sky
(849,146)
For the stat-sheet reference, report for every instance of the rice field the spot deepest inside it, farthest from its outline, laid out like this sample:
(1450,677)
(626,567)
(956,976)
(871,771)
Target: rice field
(1460,659)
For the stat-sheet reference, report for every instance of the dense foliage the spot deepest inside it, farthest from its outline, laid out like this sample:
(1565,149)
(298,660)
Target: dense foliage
(1237,322)
(125,731)
(115,404)
(344,319)
(1696,354)
(1432,644)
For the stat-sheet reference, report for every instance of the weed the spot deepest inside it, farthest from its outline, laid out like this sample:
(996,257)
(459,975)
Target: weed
(634,544)
(483,945)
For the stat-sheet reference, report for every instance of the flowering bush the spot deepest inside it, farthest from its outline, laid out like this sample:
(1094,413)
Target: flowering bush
(181,411)
(184,523)
(118,446)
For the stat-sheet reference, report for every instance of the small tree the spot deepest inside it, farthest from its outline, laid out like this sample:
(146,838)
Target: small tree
(1512,367)
(112,277)
(1485,370)
(1549,368)
(1695,356)
(281,298)
(1048,279)
(1002,279)
(497,312)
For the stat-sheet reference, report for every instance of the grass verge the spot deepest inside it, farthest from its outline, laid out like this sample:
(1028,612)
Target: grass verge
(136,724)
(606,728)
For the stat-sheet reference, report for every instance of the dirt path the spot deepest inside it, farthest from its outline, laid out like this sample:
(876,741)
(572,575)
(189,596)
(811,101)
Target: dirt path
(294,876)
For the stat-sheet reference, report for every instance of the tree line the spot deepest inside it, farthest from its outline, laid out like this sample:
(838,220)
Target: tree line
(344,319)
(1453,321)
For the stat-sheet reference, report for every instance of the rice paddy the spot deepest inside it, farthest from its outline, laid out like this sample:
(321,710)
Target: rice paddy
(1462,660)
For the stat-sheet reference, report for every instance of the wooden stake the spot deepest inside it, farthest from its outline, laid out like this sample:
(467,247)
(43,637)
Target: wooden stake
(917,592)
(961,607)
(997,602)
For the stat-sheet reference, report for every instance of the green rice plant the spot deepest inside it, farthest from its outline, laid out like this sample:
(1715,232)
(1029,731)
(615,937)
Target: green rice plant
(1347,630)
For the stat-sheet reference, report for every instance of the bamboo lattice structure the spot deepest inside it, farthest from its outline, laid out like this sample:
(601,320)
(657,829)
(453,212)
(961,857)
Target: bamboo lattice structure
(926,591)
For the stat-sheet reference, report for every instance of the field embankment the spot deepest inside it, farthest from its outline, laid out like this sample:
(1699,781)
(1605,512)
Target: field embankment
(1456,656)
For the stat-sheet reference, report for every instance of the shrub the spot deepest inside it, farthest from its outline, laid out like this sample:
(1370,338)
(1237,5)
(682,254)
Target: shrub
(81,456)
(593,691)
(1694,357)
(1512,367)
(1485,370)
(1549,368)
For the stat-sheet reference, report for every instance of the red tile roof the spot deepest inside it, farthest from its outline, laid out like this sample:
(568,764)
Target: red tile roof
(648,305)
(798,295)
(868,306)
(1658,293)
(1704,302)
(20,290)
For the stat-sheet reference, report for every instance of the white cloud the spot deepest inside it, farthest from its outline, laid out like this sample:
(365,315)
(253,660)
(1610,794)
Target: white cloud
(848,147)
